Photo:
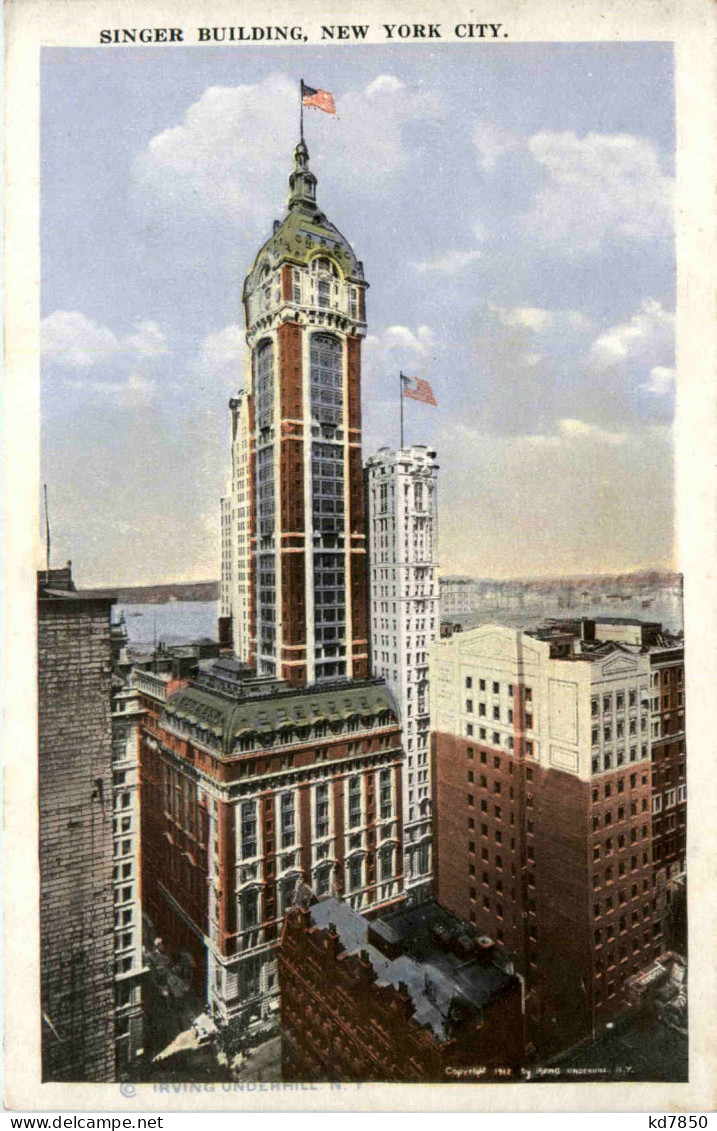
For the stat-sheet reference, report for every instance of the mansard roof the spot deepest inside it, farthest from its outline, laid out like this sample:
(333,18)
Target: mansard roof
(228,719)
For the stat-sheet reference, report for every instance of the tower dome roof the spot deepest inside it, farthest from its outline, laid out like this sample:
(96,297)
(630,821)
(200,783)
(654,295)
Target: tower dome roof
(305,232)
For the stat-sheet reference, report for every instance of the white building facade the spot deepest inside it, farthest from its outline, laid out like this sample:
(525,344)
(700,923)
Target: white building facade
(401,493)
(129,962)
(234,597)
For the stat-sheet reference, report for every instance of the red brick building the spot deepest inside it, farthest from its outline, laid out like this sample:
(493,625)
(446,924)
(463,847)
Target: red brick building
(253,792)
(544,829)
(669,787)
(415,995)
(293,530)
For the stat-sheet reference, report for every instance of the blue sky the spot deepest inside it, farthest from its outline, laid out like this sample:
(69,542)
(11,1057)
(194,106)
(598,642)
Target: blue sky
(512,205)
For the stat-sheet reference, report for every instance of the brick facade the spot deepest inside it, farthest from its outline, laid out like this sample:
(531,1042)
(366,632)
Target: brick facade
(343,1018)
(669,791)
(305,544)
(233,830)
(555,864)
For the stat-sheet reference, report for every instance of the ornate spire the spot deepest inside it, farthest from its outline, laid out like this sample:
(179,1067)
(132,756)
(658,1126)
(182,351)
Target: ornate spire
(302,182)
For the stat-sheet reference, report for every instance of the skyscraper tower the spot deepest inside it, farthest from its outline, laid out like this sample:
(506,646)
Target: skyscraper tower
(401,493)
(305,554)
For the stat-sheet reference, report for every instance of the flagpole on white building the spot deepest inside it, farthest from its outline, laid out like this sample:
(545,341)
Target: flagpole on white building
(401,380)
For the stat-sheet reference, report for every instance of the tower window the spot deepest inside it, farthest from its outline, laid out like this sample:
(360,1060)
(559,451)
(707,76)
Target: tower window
(326,379)
(264,378)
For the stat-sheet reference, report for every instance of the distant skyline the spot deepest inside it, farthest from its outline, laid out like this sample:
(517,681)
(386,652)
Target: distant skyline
(513,211)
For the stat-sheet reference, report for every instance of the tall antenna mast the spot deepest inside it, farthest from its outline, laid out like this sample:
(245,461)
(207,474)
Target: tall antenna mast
(47,529)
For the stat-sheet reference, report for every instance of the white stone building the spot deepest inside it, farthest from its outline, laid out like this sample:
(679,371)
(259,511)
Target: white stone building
(586,705)
(129,962)
(235,528)
(401,491)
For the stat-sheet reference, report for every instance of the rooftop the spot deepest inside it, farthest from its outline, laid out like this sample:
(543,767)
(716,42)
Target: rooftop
(57,584)
(233,703)
(425,951)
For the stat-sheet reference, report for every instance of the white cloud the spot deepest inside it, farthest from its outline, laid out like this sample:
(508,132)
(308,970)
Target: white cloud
(383,84)
(661,381)
(532,317)
(396,348)
(371,122)
(450,264)
(148,340)
(492,142)
(70,338)
(222,354)
(134,393)
(647,337)
(598,186)
(572,429)
(231,154)
(401,337)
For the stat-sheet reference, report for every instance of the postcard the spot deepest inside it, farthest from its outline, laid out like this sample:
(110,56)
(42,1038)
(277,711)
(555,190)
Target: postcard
(359,574)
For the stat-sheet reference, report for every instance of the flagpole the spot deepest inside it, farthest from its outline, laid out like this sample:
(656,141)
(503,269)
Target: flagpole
(400,397)
(301,109)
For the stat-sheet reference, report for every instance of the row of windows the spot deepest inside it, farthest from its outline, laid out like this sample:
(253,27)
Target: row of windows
(615,701)
(618,731)
(496,688)
(611,760)
(671,797)
(608,876)
(287,812)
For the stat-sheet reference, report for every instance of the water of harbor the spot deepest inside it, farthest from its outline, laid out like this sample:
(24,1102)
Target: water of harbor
(181,622)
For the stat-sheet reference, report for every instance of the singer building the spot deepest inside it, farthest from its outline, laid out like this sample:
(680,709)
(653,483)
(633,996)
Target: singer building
(293,536)
(275,776)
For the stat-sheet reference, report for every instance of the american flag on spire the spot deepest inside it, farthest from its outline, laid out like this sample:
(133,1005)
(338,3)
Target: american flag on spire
(418,390)
(319,99)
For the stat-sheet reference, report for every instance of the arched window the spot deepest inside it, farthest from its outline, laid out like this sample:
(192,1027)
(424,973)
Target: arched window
(325,270)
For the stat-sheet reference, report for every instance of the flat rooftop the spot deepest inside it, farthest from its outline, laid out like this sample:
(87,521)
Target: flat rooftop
(436,977)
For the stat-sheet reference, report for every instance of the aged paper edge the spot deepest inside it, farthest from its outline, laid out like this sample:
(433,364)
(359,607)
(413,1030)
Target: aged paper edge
(30,24)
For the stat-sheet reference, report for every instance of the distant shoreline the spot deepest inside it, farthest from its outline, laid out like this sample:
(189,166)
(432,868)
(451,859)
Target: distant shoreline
(209,590)
(162,594)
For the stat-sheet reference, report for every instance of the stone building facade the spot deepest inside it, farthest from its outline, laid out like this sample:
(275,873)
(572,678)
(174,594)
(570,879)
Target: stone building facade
(127,716)
(77,938)
(235,597)
(252,793)
(402,515)
(544,831)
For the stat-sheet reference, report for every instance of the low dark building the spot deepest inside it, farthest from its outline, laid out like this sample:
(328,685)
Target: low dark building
(414,995)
